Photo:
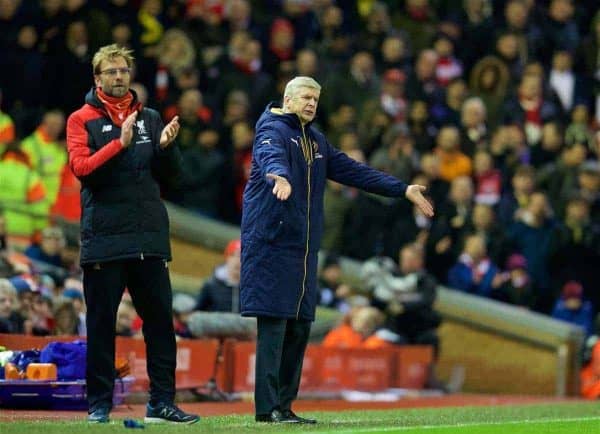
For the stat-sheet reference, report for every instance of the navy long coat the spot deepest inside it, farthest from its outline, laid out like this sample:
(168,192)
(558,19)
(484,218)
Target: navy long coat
(281,239)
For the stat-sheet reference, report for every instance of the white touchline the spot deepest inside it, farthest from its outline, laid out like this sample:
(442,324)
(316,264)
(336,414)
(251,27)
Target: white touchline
(457,425)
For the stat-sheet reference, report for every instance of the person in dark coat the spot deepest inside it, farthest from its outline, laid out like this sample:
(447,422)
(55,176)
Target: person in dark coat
(221,292)
(282,225)
(118,149)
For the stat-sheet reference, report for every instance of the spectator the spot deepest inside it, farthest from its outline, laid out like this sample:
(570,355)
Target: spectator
(474,272)
(221,292)
(448,67)
(360,324)
(559,178)
(559,30)
(453,162)
(75,295)
(66,320)
(489,81)
(564,81)
(419,21)
(10,320)
(530,109)
(183,306)
(484,223)
(448,111)
(573,308)
(397,155)
(514,202)
(576,251)
(588,181)
(447,231)
(408,301)
(550,146)
(421,127)
(533,234)
(474,132)
(488,180)
(51,248)
(579,130)
(333,293)
(198,187)
(125,319)
(422,84)
(517,288)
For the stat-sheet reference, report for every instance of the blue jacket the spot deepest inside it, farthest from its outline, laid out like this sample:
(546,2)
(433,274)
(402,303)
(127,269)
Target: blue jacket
(280,239)
(583,317)
(460,277)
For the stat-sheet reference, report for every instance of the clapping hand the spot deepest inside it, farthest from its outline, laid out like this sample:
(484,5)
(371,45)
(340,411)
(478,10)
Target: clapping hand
(169,132)
(127,129)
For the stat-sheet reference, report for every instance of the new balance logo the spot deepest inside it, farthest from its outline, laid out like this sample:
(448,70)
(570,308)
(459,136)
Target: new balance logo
(106,128)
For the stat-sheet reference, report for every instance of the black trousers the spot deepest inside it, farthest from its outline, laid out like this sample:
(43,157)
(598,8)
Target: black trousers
(280,348)
(150,288)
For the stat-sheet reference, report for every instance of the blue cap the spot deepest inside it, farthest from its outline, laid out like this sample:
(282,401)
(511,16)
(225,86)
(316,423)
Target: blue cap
(72,293)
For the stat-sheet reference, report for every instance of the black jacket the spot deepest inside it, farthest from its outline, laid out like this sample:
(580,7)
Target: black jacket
(122,213)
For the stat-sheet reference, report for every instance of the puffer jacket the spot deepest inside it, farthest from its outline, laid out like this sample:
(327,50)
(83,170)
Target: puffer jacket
(122,212)
(281,239)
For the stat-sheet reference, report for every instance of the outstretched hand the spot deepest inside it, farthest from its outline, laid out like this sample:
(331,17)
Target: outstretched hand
(169,132)
(282,188)
(414,193)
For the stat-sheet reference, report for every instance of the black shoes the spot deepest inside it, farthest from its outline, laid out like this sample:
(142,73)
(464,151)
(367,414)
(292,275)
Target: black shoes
(287,416)
(163,413)
(99,415)
(290,415)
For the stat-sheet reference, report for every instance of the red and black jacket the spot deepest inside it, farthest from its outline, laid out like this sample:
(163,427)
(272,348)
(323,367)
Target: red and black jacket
(122,215)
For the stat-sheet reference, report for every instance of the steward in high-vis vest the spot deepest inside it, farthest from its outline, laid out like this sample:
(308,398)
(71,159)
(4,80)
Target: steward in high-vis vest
(47,157)
(21,194)
(7,130)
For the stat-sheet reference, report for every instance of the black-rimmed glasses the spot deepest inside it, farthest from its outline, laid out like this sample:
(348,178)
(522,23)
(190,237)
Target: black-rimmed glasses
(113,71)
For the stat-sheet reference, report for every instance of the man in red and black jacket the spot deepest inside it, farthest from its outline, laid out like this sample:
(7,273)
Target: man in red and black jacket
(118,149)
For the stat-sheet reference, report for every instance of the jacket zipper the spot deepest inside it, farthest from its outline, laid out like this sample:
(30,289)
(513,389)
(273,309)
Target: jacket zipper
(308,158)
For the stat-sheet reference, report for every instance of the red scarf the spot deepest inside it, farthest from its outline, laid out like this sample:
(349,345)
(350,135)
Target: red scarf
(118,108)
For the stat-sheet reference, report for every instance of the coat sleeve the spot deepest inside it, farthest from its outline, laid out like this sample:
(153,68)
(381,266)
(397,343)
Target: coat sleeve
(81,160)
(345,170)
(270,153)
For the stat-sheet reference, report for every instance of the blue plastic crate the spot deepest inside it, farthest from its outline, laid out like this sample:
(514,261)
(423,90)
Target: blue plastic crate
(54,395)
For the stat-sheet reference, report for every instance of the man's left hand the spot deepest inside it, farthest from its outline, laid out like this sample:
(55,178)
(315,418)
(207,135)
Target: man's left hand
(414,193)
(169,132)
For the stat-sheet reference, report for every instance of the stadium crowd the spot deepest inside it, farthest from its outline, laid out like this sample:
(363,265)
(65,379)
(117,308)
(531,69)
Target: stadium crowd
(493,105)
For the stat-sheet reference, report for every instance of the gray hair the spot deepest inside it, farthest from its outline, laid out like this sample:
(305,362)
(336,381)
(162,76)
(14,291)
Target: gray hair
(292,87)
(7,289)
(474,101)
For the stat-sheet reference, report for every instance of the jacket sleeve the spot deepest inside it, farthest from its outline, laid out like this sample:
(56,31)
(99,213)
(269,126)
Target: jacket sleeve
(270,154)
(81,160)
(345,170)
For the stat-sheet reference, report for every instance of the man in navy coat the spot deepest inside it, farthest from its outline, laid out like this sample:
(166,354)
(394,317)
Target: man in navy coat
(282,225)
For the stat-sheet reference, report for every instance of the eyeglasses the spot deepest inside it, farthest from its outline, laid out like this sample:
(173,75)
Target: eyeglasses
(113,71)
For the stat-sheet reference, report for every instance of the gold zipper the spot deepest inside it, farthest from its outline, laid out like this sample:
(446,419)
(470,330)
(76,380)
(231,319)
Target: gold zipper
(308,158)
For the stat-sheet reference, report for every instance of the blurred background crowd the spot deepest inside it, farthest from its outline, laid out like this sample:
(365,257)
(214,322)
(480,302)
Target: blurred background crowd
(493,105)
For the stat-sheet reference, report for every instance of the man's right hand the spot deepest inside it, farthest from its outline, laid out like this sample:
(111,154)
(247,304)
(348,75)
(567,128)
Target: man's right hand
(282,188)
(127,129)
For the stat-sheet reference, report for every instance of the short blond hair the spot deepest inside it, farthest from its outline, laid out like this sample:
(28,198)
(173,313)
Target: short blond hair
(111,52)
(294,85)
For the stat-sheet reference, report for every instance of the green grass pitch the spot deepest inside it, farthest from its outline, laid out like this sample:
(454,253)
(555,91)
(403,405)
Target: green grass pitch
(580,418)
